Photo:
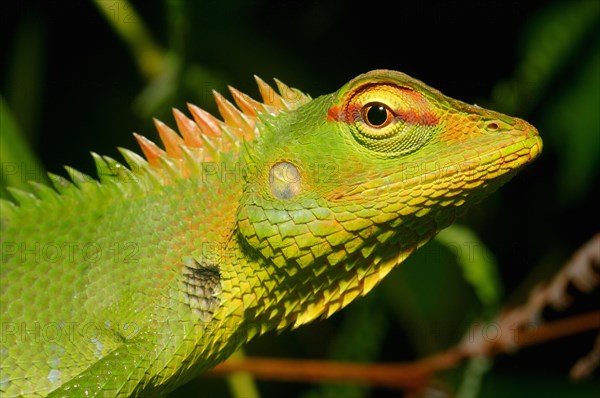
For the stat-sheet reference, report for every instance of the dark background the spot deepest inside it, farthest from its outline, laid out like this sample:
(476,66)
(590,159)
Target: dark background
(74,86)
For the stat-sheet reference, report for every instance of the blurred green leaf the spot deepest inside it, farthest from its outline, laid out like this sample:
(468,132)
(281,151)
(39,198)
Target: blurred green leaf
(559,71)
(477,263)
(25,77)
(573,119)
(130,27)
(241,384)
(18,126)
(473,377)
(430,297)
(552,39)
(19,165)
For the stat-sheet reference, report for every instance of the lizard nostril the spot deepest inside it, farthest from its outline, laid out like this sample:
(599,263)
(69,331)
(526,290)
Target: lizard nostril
(492,126)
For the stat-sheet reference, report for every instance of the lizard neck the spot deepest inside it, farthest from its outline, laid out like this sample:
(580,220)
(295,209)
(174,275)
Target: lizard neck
(264,296)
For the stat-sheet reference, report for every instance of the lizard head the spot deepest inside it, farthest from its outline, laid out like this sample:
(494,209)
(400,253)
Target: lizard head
(351,183)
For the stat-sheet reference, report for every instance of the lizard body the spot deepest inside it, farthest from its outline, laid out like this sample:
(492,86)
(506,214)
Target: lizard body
(282,213)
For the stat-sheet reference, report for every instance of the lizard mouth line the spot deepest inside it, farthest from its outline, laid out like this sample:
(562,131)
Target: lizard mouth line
(484,167)
(492,163)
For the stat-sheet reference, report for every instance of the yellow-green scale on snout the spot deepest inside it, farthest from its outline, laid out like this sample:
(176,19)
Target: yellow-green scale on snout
(284,211)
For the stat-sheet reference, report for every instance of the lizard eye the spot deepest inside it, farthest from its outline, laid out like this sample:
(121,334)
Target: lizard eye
(388,119)
(377,115)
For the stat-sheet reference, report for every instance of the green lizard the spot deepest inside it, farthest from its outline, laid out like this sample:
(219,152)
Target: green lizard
(282,213)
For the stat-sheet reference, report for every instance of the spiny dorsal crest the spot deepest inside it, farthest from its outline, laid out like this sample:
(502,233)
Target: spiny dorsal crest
(202,139)
(205,137)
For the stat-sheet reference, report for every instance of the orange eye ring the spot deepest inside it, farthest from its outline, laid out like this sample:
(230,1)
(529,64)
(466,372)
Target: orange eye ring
(377,115)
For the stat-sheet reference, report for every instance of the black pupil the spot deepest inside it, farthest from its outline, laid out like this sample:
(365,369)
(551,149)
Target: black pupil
(377,115)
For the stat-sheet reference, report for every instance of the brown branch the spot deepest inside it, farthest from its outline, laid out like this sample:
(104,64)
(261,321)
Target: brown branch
(512,329)
(560,328)
(581,271)
(408,376)
(515,325)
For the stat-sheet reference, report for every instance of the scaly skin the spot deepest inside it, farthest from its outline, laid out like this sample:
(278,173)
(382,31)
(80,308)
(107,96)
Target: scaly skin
(284,213)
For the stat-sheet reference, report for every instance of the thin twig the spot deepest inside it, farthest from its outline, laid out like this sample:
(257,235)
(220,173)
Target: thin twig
(408,376)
